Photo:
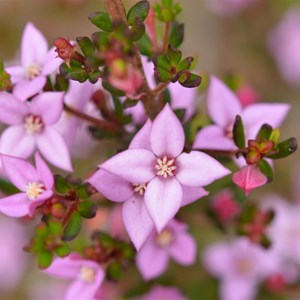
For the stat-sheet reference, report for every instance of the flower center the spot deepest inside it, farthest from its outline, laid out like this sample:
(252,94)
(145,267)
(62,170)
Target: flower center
(244,266)
(33,124)
(139,188)
(87,274)
(229,132)
(165,238)
(34,189)
(165,167)
(33,71)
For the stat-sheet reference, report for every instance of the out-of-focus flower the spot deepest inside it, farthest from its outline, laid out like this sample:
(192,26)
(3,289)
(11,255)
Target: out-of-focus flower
(159,163)
(174,241)
(247,95)
(35,185)
(284,44)
(240,266)
(223,106)
(162,292)
(87,276)
(37,62)
(31,128)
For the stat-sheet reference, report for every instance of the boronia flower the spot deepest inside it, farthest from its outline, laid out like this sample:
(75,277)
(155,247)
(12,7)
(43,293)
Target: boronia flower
(163,292)
(35,185)
(86,274)
(31,128)
(161,165)
(174,241)
(37,62)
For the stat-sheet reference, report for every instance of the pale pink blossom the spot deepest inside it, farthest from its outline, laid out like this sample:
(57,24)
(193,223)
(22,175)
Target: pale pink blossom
(160,292)
(37,62)
(32,128)
(35,185)
(173,242)
(87,276)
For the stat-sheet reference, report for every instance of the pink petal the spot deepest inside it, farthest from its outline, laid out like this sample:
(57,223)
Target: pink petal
(12,111)
(142,139)
(198,169)
(184,249)
(54,149)
(149,71)
(111,186)
(14,141)
(137,221)
(238,288)
(249,178)
(223,105)
(15,206)
(151,260)
(44,172)
(255,115)
(19,171)
(167,135)
(134,165)
(213,137)
(192,193)
(27,88)
(34,46)
(51,62)
(17,73)
(137,113)
(163,198)
(48,105)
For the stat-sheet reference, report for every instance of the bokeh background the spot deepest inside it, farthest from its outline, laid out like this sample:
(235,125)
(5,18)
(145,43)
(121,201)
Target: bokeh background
(234,43)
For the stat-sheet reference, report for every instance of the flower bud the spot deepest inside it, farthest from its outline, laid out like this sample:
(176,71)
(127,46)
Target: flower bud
(64,48)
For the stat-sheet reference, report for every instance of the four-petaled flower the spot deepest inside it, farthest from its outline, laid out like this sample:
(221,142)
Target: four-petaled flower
(35,185)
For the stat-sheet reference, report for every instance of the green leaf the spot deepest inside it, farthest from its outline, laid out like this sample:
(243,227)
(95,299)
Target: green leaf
(285,148)
(72,228)
(115,92)
(94,76)
(61,184)
(100,39)
(5,79)
(62,250)
(167,3)
(82,191)
(87,209)
(139,10)
(86,45)
(162,62)
(130,103)
(238,132)
(176,34)
(185,64)
(137,30)
(264,132)
(266,169)
(77,74)
(101,20)
(7,188)
(174,55)
(162,75)
(180,113)
(55,227)
(61,83)
(114,271)
(189,80)
(145,45)
(45,258)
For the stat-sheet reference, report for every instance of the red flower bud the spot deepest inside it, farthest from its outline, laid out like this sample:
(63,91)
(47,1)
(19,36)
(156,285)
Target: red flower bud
(64,48)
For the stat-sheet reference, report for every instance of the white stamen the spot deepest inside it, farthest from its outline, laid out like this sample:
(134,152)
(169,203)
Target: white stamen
(33,71)
(139,188)
(33,124)
(34,189)
(165,238)
(165,167)
(87,274)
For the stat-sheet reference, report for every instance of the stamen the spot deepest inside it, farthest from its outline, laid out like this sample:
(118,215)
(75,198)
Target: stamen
(33,71)
(34,189)
(165,238)
(165,167)
(139,188)
(33,124)
(87,274)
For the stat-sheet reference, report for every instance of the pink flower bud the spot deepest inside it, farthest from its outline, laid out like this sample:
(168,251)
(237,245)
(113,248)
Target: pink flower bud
(275,283)
(247,95)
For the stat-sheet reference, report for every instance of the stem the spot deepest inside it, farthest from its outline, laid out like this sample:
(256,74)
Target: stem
(69,214)
(166,37)
(160,88)
(105,125)
(214,152)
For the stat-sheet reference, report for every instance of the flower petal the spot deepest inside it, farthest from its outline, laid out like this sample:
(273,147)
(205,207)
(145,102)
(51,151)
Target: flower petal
(167,135)
(54,149)
(134,165)
(151,260)
(198,169)
(222,104)
(44,172)
(51,63)
(19,171)
(12,111)
(163,198)
(48,105)
(17,73)
(142,139)
(34,46)
(213,137)
(255,115)
(184,249)
(15,206)
(14,141)
(111,186)
(192,194)
(137,221)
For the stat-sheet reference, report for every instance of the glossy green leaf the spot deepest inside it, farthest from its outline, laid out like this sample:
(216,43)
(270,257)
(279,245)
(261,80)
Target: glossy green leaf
(266,169)
(72,228)
(285,148)
(176,34)
(87,209)
(174,55)
(86,45)
(45,258)
(139,10)
(238,132)
(264,132)
(101,20)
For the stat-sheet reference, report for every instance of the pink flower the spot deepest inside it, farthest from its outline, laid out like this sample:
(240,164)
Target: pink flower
(36,63)
(247,95)
(158,162)
(284,44)
(240,266)
(174,241)
(166,293)
(31,128)
(87,276)
(223,106)
(35,185)
(136,219)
